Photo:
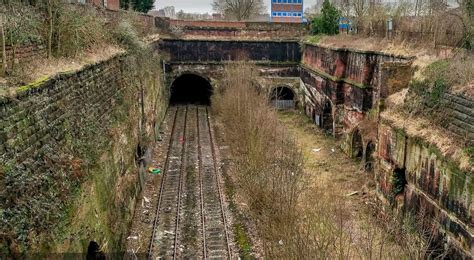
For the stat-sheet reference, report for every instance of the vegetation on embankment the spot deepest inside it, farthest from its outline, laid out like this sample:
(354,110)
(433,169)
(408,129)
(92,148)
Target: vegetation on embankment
(267,165)
(433,26)
(44,38)
(438,106)
(296,212)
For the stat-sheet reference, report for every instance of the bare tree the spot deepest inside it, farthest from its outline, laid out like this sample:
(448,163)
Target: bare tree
(169,11)
(344,7)
(238,9)
(4,54)
(360,10)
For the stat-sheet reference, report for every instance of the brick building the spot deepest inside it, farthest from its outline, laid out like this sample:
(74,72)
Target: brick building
(109,4)
(287,11)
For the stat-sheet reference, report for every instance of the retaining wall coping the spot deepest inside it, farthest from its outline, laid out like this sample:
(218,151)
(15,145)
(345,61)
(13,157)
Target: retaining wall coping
(228,40)
(333,78)
(24,91)
(346,49)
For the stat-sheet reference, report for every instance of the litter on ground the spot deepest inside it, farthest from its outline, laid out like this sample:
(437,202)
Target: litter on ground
(154,171)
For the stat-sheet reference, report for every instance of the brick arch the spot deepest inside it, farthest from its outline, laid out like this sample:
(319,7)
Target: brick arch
(284,86)
(357,144)
(193,72)
(370,150)
(327,115)
(191,88)
(366,148)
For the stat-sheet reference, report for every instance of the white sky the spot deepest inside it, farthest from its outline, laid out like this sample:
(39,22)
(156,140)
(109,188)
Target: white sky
(204,6)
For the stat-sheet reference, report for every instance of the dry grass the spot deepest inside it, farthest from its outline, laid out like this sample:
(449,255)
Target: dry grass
(420,113)
(296,184)
(268,166)
(362,227)
(82,35)
(43,67)
(423,54)
(423,128)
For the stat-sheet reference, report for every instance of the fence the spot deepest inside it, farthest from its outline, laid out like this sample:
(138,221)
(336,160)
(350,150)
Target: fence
(22,53)
(443,29)
(283,104)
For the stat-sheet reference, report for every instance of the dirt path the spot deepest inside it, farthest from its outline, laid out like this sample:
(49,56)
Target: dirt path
(339,183)
(325,162)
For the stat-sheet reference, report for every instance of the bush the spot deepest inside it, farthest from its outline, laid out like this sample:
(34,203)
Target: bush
(138,5)
(126,35)
(268,164)
(328,21)
(78,29)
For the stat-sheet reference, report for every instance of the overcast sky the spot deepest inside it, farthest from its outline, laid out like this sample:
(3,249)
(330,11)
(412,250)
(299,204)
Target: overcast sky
(203,6)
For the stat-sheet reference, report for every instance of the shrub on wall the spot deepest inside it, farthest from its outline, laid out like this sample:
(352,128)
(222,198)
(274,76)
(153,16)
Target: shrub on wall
(126,35)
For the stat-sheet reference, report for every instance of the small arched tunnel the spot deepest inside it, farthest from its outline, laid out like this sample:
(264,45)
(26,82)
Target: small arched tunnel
(399,181)
(326,121)
(282,97)
(357,145)
(191,89)
(369,157)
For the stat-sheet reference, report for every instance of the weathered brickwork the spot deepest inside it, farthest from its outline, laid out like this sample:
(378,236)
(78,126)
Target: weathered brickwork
(209,58)
(357,67)
(460,111)
(68,150)
(233,30)
(221,51)
(342,85)
(344,92)
(436,186)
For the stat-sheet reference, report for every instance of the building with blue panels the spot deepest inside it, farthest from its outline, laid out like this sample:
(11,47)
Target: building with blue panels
(287,11)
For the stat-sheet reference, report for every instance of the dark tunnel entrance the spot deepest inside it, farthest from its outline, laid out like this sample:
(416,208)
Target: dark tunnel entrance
(191,89)
(282,98)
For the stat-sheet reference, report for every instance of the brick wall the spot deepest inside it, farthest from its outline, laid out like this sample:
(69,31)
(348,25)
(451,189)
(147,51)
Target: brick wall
(218,51)
(287,19)
(460,116)
(65,141)
(209,24)
(109,4)
(436,187)
(439,184)
(360,67)
(24,53)
(351,82)
(227,29)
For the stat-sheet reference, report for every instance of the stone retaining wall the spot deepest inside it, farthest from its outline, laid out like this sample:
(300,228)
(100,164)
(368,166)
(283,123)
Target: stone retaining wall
(70,147)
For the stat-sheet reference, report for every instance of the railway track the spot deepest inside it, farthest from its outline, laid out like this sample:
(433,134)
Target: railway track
(190,219)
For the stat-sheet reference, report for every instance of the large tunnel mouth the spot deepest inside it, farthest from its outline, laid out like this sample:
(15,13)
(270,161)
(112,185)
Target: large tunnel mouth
(191,89)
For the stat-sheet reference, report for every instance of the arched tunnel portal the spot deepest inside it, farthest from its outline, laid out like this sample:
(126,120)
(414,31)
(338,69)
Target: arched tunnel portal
(190,88)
